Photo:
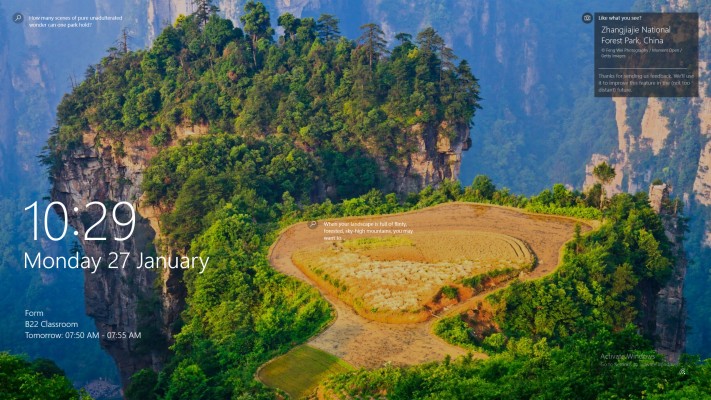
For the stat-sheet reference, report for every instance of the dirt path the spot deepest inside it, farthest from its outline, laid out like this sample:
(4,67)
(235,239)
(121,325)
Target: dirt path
(365,343)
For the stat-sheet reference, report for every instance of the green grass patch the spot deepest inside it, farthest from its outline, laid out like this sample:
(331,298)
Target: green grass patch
(377,243)
(299,371)
(450,292)
(477,282)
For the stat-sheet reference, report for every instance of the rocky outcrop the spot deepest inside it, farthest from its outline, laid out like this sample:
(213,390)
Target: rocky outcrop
(160,13)
(702,183)
(663,310)
(438,157)
(670,326)
(119,300)
(669,308)
(655,128)
(615,186)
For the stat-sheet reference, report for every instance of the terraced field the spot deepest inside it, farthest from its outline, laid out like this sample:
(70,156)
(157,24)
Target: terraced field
(447,242)
(400,274)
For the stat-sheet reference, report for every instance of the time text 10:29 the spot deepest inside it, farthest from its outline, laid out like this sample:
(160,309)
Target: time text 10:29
(88,235)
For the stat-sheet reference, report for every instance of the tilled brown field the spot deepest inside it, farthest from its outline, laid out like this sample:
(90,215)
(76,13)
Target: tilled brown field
(394,279)
(366,343)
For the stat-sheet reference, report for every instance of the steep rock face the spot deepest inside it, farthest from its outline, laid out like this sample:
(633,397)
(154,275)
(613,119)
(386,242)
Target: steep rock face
(123,299)
(160,13)
(653,132)
(670,321)
(619,164)
(665,309)
(702,183)
(438,157)
(655,128)
(113,296)
(669,308)
(625,177)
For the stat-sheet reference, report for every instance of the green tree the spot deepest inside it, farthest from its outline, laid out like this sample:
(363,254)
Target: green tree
(203,10)
(188,382)
(604,173)
(256,24)
(657,265)
(306,32)
(41,379)
(429,41)
(373,42)
(290,24)
(142,385)
(466,94)
(219,32)
(482,187)
(327,28)
(448,58)
(403,37)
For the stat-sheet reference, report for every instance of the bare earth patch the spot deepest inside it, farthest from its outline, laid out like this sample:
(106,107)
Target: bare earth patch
(365,343)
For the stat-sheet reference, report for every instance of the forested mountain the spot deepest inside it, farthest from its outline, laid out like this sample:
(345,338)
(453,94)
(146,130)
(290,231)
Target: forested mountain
(197,94)
(215,123)
(223,134)
(362,108)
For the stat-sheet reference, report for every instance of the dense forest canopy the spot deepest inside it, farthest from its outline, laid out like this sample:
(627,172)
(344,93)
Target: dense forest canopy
(39,379)
(593,364)
(343,102)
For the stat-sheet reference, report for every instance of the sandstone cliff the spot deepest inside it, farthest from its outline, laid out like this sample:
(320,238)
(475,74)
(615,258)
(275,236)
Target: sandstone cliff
(668,308)
(130,299)
(160,13)
(702,183)
(112,296)
(437,158)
